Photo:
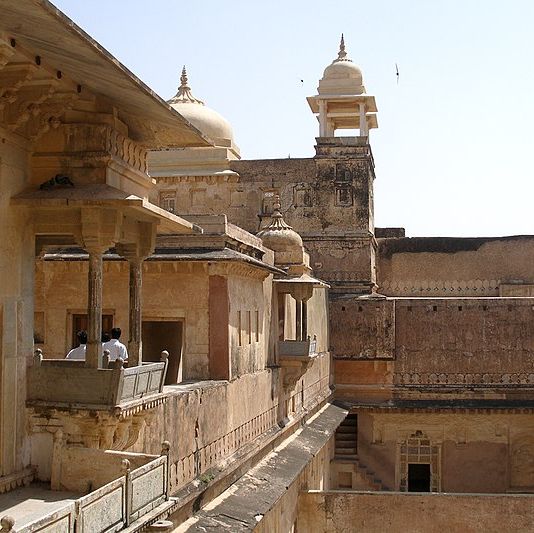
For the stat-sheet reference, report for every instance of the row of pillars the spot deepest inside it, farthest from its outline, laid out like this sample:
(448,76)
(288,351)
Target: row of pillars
(326,126)
(93,356)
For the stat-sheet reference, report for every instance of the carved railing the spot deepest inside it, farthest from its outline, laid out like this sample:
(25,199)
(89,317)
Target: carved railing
(66,382)
(293,348)
(112,507)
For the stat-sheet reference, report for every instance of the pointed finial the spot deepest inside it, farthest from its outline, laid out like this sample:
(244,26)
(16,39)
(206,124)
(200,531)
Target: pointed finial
(342,54)
(183,78)
(184,94)
(277,219)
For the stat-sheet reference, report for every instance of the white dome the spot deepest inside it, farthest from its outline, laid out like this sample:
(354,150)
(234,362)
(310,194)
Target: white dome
(342,76)
(208,121)
(343,69)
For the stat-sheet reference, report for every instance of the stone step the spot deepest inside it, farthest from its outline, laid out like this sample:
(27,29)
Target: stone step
(346,451)
(345,436)
(346,431)
(346,444)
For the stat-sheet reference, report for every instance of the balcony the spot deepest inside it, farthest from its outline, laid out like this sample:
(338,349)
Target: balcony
(294,357)
(69,383)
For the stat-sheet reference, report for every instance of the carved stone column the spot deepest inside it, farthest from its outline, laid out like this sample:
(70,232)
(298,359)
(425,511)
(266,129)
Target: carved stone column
(100,230)
(93,355)
(136,253)
(135,322)
(302,292)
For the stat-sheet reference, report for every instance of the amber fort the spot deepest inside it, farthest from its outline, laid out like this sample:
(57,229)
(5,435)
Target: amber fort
(286,365)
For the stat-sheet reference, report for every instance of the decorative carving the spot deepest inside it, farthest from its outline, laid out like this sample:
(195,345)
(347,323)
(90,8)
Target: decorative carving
(441,378)
(48,115)
(12,78)
(418,448)
(302,195)
(27,103)
(476,287)
(16,480)
(344,196)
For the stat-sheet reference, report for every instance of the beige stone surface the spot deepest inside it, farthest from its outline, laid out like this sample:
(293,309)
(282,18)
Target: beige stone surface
(453,267)
(376,512)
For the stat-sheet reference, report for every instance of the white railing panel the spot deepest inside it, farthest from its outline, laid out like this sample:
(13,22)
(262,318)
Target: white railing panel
(103,510)
(148,487)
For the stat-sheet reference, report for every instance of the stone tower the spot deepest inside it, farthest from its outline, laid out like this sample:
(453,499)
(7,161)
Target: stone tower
(344,245)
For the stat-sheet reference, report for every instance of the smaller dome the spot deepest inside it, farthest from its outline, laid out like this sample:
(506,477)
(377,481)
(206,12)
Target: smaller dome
(201,116)
(342,76)
(343,69)
(279,236)
(207,121)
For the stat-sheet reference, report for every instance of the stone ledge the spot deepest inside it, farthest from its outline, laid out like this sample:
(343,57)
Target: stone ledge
(256,493)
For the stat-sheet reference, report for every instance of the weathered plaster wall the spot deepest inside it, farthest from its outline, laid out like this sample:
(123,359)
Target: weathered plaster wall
(486,453)
(433,341)
(377,512)
(318,319)
(464,336)
(16,302)
(247,319)
(444,266)
(207,424)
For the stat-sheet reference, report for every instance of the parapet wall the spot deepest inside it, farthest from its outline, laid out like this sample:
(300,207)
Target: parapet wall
(456,267)
(439,342)
(395,512)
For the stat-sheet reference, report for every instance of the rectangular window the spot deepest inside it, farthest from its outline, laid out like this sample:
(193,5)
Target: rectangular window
(257,326)
(80,322)
(249,324)
(239,329)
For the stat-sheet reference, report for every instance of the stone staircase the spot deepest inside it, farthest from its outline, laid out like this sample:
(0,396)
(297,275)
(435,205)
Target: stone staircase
(347,461)
(347,438)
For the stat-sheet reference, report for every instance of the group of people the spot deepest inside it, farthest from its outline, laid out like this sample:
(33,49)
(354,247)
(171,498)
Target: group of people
(112,344)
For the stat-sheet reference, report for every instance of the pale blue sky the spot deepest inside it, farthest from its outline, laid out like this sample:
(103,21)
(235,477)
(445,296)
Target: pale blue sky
(454,147)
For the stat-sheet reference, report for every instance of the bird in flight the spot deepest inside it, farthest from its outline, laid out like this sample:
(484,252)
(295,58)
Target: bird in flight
(397,71)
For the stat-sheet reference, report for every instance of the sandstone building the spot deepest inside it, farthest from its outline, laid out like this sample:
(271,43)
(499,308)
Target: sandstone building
(291,367)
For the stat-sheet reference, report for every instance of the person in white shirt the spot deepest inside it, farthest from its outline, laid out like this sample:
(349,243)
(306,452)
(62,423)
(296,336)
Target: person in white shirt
(115,347)
(79,351)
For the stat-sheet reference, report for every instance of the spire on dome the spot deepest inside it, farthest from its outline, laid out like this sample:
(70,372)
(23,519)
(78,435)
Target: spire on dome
(342,54)
(277,219)
(184,93)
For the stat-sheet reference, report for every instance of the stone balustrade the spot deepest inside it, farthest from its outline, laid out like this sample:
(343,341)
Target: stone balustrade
(112,507)
(69,382)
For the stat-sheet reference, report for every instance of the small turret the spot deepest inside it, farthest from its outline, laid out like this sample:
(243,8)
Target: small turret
(341,101)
